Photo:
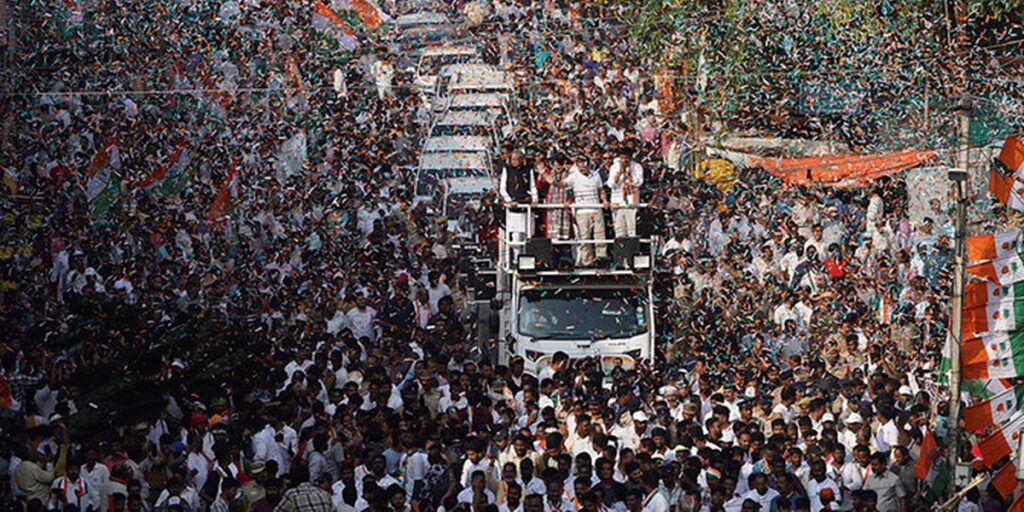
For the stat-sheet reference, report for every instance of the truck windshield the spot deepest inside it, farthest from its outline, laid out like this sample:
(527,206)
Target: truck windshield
(574,314)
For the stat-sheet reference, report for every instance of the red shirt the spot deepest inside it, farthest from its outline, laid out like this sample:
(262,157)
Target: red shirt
(836,269)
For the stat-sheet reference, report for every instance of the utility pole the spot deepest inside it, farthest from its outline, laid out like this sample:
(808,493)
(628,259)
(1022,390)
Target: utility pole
(959,177)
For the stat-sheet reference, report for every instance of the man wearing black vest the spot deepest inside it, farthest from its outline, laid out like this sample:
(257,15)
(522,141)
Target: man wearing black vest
(518,188)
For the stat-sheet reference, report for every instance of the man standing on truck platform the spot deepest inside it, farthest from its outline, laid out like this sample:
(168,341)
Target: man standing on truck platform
(624,180)
(518,187)
(587,191)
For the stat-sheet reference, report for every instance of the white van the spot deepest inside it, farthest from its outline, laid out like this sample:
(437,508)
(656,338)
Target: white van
(494,82)
(435,167)
(450,72)
(418,29)
(467,123)
(433,59)
(457,144)
(496,104)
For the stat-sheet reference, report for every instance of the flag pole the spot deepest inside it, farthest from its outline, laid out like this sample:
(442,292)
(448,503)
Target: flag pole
(958,176)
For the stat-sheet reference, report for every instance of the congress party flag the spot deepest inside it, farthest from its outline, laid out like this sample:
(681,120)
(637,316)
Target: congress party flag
(1005,480)
(1003,442)
(1007,189)
(994,246)
(996,411)
(1011,157)
(993,356)
(989,307)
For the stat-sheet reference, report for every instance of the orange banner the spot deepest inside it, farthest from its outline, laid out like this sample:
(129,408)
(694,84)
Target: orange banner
(841,170)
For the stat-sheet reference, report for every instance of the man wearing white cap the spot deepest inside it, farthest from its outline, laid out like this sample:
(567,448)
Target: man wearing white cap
(848,436)
(671,395)
(905,398)
(629,436)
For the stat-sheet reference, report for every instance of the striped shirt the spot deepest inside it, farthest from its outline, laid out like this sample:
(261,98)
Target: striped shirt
(586,190)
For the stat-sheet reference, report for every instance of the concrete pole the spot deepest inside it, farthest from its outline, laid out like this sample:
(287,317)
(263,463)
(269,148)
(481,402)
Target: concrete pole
(959,178)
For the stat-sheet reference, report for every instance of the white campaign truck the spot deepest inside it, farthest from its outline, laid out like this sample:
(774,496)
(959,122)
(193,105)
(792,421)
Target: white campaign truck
(544,306)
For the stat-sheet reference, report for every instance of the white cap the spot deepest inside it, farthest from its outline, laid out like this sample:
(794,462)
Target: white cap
(828,417)
(905,390)
(639,416)
(668,390)
(854,418)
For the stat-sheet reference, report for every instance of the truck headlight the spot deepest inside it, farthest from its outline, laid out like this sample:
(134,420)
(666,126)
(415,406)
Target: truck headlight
(527,262)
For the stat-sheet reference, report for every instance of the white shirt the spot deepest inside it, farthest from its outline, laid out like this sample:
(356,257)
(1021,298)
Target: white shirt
(97,479)
(585,189)
(848,438)
(382,73)
(294,366)
(486,465)
(360,322)
(435,294)
(339,82)
(504,508)
(814,492)
(784,313)
(265,447)
(784,411)
(466,496)
(416,466)
(656,502)
(854,477)
(202,466)
(77,493)
(618,186)
(888,435)
(189,495)
(764,500)
(422,313)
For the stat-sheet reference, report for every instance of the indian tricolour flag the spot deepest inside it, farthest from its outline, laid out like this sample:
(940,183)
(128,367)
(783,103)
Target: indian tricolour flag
(996,411)
(328,21)
(990,307)
(1003,442)
(995,355)
(931,468)
(171,171)
(369,12)
(222,201)
(103,185)
(946,362)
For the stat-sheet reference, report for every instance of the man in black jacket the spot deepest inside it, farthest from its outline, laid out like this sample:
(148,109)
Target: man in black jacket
(518,187)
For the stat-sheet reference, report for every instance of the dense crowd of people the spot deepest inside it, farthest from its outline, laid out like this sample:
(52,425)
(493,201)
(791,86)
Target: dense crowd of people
(218,296)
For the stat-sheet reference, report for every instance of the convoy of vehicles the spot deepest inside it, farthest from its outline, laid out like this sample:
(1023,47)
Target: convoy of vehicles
(526,300)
